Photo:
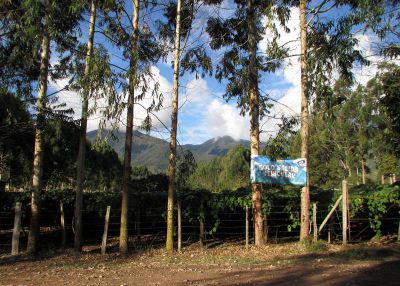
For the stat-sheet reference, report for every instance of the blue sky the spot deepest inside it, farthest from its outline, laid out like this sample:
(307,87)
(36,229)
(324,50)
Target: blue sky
(203,113)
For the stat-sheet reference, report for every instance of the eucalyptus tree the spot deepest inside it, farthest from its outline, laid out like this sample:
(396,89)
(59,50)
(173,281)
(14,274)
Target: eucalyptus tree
(180,17)
(140,47)
(242,65)
(19,48)
(93,78)
(304,120)
(123,238)
(327,46)
(38,23)
(385,141)
(380,18)
(174,126)
(80,170)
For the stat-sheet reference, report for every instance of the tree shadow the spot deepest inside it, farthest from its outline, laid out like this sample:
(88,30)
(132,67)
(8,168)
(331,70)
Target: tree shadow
(360,266)
(137,246)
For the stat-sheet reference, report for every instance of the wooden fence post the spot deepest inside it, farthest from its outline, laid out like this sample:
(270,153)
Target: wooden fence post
(16,230)
(106,220)
(398,232)
(179,226)
(344,211)
(314,216)
(62,223)
(201,234)
(382,179)
(247,226)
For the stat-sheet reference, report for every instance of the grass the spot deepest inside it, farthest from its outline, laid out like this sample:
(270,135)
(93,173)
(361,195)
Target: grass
(312,246)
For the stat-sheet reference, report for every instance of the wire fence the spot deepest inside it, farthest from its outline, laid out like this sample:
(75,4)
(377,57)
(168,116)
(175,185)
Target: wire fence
(148,227)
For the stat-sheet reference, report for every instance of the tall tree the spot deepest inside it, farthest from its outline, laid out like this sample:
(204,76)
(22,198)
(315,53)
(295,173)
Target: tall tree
(304,121)
(259,233)
(45,22)
(239,36)
(326,45)
(127,169)
(80,170)
(38,150)
(174,126)
(179,16)
(141,49)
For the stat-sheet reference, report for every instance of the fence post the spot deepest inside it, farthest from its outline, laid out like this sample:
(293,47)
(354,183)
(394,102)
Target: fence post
(314,216)
(247,226)
(62,223)
(382,179)
(179,226)
(344,211)
(394,178)
(398,232)
(330,230)
(106,220)
(201,234)
(16,230)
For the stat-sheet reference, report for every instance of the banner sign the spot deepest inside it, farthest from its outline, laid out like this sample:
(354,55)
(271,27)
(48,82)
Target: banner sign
(280,172)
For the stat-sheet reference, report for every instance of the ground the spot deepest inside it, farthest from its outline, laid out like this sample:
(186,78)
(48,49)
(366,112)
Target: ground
(220,264)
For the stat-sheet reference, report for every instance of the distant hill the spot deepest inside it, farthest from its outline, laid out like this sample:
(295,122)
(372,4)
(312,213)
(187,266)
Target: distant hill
(153,152)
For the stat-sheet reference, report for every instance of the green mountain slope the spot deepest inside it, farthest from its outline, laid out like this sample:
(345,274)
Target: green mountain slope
(153,152)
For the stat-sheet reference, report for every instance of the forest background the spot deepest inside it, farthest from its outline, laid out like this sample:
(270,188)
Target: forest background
(353,90)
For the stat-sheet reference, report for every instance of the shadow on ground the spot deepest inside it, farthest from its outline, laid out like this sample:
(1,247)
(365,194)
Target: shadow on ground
(355,266)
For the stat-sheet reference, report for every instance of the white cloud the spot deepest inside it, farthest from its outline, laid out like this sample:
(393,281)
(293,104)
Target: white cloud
(224,119)
(213,116)
(289,75)
(73,100)
(363,74)
(161,118)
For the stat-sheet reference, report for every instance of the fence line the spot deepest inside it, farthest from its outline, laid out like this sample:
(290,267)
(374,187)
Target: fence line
(280,223)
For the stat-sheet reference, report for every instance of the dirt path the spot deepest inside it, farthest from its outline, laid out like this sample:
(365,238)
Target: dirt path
(288,264)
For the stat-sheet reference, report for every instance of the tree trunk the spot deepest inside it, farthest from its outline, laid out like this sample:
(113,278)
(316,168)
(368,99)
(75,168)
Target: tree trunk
(254,122)
(169,245)
(123,237)
(305,191)
(363,170)
(80,170)
(34,229)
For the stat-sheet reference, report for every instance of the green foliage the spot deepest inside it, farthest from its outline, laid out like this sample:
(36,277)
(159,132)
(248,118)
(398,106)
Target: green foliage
(354,126)
(278,147)
(231,35)
(22,30)
(230,172)
(16,139)
(194,59)
(186,164)
(390,99)
(376,201)
(60,144)
(382,18)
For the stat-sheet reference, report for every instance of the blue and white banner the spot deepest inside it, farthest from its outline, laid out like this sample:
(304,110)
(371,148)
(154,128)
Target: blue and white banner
(280,172)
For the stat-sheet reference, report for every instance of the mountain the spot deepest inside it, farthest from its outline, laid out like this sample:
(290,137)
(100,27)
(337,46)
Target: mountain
(153,152)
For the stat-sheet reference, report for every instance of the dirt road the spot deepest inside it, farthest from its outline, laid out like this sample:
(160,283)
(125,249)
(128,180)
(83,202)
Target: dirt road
(288,264)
